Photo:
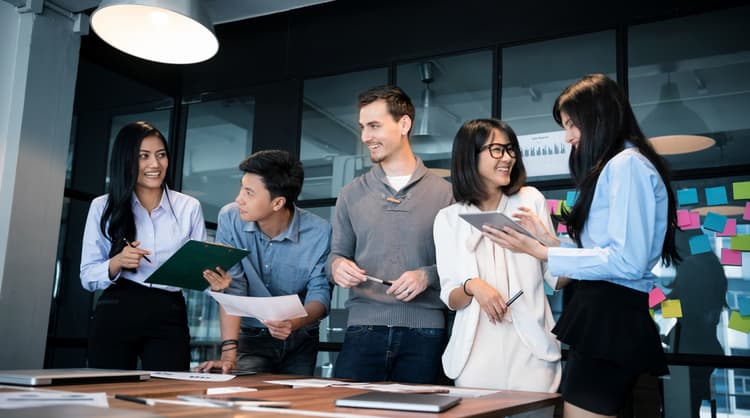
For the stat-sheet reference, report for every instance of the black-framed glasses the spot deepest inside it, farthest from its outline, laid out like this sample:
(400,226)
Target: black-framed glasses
(498,150)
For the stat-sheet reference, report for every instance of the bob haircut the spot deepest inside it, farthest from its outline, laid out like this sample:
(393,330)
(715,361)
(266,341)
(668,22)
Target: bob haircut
(467,184)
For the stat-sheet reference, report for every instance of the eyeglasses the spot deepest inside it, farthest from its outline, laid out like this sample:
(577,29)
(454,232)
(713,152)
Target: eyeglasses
(498,150)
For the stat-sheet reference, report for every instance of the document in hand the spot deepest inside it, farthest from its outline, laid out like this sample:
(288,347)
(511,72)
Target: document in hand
(185,267)
(496,219)
(400,401)
(272,308)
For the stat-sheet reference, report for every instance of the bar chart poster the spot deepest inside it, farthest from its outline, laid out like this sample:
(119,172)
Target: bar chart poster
(545,154)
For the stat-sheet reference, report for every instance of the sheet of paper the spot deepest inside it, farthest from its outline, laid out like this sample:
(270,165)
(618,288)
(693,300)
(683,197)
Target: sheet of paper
(308,383)
(273,308)
(229,389)
(716,196)
(197,377)
(28,399)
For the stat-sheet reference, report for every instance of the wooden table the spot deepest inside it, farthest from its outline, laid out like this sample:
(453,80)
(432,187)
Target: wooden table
(305,401)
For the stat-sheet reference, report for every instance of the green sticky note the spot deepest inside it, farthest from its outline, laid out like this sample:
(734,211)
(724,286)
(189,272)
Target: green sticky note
(739,323)
(740,242)
(741,190)
(671,308)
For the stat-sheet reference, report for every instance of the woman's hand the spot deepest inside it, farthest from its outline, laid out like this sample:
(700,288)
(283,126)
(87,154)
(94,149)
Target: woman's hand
(130,256)
(529,220)
(218,279)
(515,241)
(489,299)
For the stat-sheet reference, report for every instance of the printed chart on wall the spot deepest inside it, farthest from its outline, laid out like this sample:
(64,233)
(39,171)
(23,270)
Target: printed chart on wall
(545,154)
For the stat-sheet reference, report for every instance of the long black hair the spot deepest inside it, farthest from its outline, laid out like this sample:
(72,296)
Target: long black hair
(123,175)
(599,108)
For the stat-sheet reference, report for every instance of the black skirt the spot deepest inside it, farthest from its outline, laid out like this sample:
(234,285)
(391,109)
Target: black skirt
(607,321)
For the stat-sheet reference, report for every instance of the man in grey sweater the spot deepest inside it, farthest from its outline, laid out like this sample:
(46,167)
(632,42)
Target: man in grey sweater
(382,231)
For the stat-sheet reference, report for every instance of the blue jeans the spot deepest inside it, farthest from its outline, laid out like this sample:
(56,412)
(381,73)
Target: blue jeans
(260,352)
(398,354)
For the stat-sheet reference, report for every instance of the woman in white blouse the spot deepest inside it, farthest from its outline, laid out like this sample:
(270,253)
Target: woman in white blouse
(494,345)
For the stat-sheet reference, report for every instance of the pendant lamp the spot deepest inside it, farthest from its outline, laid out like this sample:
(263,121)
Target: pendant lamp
(166,31)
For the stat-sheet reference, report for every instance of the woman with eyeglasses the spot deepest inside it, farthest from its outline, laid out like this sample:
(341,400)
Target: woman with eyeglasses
(494,345)
(622,224)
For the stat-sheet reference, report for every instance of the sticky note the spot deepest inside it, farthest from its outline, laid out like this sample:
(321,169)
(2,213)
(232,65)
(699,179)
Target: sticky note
(740,242)
(744,304)
(747,212)
(554,206)
(730,229)
(562,228)
(695,221)
(548,290)
(671,308)
(699,244)
(651,312)
(683,217)
(687,196)
(739,323)
(741,190)
(715,222)
(655,297)
(731,257)
(571,197)
(716,196)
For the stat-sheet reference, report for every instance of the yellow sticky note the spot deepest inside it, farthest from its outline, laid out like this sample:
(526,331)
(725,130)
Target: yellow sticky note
(739,323)
(651,311)
(741,190)
(671,308)
(740,242)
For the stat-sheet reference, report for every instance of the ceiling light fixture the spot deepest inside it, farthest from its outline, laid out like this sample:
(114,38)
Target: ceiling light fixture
(166,31)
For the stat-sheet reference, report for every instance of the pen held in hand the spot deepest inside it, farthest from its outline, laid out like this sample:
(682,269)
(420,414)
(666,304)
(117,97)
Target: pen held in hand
(513,299)
(131,245)
(381,281)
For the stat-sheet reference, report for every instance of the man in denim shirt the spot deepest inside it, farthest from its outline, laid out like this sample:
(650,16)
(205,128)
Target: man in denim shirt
(288,250)
(383,229)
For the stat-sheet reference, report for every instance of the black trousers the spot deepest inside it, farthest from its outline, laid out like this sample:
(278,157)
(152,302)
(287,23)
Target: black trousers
(132,321)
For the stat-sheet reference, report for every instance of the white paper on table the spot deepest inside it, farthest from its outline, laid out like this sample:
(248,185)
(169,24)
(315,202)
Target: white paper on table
(28,399)
(198,377)
(308,383)
(272,308)
(228,389)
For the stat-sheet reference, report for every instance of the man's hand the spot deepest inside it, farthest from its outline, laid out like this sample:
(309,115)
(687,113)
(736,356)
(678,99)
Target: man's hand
(346,273)
(218,279)
(280,329)
(409,285)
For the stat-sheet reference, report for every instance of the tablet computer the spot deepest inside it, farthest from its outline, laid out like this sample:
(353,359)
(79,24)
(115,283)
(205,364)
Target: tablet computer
(419,402)
(495,219)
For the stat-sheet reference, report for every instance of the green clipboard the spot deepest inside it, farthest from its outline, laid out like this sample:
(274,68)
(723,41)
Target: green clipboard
(185,267)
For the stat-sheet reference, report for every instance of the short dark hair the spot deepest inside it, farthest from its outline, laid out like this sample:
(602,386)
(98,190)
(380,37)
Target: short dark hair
(282,173)
(399,103)
(467,185)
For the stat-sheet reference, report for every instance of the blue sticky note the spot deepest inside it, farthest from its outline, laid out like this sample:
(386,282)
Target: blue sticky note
(715,222)
(699,244)
(744,304)
(716,196)
(549,292)
(687,196)
(571,197)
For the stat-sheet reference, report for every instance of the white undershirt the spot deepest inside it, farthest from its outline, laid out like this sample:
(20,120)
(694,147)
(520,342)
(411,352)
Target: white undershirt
(398,182)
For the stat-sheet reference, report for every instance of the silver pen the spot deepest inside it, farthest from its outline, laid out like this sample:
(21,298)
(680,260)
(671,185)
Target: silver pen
(513,299)
(381,281)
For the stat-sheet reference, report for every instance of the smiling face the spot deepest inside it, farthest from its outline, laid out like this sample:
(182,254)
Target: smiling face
(572,133)
(495,173)
(152,164)
(382,135)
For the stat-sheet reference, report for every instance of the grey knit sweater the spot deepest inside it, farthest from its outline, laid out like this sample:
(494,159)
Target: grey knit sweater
(387,238)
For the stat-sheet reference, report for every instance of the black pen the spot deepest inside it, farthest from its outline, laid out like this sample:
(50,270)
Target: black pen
(131,245)
(133,399)
(381,281)
(513,299)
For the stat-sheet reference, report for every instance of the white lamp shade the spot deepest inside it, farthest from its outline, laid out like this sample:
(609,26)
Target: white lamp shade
(167,31)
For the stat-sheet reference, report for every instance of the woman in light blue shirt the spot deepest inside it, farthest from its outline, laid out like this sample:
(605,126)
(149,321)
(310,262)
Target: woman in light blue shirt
(622,224)
(129,233)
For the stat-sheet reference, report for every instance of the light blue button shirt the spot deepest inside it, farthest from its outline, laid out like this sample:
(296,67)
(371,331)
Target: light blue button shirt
(176,220)
(624,233)
(291,263)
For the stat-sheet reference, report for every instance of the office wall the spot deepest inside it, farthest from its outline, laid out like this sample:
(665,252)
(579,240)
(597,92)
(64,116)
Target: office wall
(39,55)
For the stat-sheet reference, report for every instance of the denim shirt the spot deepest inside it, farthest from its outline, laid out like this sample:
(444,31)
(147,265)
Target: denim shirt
(291,263)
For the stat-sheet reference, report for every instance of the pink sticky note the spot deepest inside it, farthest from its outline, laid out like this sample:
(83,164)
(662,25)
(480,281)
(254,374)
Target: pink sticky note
(552,205)
(747,212)
(683,217)
(562,228)
(695,222)
(731,257)
(730,230)
(655,297)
